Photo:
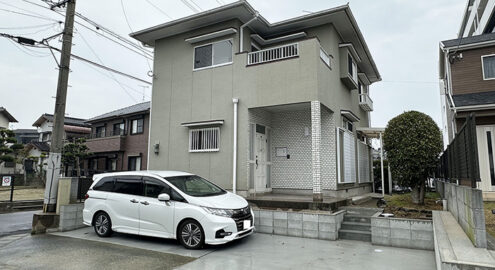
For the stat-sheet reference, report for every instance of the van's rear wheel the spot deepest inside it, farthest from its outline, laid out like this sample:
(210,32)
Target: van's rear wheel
(103,224)
(191,235)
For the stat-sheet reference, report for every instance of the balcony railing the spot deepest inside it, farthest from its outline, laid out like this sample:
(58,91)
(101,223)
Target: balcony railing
(365,102)
(273,54)
(112,133)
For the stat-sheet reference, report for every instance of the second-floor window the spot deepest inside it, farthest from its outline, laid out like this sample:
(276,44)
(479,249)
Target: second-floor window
(119,129)
(352,68)
(100,132)
(488,67)
(213,54)
(137,126)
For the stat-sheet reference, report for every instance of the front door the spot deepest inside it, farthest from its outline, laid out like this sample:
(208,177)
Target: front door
(260,162)
(486,156)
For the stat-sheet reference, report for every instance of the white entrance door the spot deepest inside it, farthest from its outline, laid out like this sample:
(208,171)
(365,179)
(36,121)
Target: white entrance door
(260,162)
(486,155)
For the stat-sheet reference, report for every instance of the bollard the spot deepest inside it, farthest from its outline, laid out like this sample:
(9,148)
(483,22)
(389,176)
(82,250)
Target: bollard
(11,189)
(445,205)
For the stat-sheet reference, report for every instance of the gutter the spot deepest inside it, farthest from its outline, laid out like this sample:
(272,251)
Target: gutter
(241,32)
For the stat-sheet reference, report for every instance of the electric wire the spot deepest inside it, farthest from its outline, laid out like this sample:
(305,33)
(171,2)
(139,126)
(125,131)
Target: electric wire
(194,3)
(29,15)
(195,10)
(27,27)
(159,9)
(101,62)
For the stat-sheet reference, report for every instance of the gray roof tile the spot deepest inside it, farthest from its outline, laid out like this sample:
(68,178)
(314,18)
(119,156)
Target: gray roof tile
(468,40)
(141,107)
(474,99)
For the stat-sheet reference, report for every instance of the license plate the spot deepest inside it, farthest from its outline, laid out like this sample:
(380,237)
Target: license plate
(247,224)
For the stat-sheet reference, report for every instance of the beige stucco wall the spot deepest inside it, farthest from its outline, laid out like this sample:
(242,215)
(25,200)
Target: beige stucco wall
(183,95)
(4,122)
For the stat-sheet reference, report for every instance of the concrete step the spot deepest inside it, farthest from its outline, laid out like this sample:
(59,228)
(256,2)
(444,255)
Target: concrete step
(356,226)
(355,235)
(357,218)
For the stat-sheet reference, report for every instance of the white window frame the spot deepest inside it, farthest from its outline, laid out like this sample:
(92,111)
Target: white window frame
(213,54)
(326,58)
(483,67)
(204,150)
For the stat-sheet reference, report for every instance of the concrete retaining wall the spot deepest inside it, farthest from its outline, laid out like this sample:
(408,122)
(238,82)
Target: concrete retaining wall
(306,224)
(466,205)
(71,217)
(404,233)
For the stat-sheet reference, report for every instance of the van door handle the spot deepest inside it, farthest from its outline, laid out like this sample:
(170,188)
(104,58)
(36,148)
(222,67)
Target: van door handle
(145,203)
(134,201)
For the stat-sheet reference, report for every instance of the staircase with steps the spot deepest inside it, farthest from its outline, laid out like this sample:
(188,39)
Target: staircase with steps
(357,224)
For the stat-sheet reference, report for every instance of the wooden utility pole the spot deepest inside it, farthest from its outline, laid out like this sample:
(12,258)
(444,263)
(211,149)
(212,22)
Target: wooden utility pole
(57,144)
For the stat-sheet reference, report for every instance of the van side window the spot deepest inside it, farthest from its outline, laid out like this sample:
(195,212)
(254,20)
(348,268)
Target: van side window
(105,184)
(153,188)
(129,185)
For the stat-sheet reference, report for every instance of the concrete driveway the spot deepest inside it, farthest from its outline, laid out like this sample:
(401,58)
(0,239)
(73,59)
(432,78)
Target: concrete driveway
(263,251)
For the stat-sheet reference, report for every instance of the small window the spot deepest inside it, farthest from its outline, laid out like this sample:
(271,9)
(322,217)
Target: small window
(204,140)
(119,129)
(348,125)
(100,132)
(214,54)
(134,164)
(137,126)
(105,184)
(352,68)
(111,164)
(488,67)
(325,58)
(129,185)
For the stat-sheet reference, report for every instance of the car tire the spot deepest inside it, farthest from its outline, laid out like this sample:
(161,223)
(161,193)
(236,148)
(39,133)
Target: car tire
(191,234)
(103,224)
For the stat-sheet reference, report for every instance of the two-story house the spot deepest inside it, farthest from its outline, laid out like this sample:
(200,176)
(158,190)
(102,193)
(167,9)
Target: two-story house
(467,85)
(119,139)
(263,107)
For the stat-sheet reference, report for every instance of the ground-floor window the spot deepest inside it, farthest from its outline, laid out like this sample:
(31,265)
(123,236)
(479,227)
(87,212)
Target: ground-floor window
(346,156)
(204,140)
(134,164)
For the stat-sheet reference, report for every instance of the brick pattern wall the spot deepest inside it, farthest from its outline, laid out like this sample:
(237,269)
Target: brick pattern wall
(315,145)
(289,131)
(328,156)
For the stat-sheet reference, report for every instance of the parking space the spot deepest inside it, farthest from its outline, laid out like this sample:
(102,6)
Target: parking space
(264,251)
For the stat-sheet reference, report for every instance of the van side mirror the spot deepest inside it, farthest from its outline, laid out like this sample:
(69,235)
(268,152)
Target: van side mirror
(164,197)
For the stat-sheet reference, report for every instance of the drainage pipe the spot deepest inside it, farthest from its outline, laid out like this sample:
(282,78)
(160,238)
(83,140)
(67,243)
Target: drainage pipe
(234,170)
(241,32)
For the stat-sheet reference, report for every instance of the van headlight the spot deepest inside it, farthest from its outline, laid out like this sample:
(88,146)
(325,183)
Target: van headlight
(219,212)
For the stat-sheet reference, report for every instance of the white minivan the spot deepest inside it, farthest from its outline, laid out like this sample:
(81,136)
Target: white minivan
(166,204)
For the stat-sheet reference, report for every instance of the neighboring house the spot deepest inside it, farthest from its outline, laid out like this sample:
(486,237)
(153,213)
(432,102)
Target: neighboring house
(40,151)
(73,128)
(467,85)
(6,118)
(259,107)
(119,140)
(26,136)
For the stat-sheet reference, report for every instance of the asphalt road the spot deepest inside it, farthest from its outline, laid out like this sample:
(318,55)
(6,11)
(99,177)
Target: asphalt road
(17,222)
(54,252)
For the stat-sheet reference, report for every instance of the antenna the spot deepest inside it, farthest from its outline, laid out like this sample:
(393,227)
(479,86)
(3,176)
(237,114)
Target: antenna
(144,89)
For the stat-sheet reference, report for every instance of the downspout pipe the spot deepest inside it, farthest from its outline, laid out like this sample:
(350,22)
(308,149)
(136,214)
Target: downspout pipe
(241,32)
(234,169)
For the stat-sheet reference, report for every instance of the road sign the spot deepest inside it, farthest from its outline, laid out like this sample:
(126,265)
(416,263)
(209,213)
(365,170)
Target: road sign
(6,180)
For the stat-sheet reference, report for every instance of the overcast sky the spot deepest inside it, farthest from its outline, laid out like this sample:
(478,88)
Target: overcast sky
(402,35)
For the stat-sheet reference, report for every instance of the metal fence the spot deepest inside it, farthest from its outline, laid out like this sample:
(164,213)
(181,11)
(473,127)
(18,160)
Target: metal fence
(459,162)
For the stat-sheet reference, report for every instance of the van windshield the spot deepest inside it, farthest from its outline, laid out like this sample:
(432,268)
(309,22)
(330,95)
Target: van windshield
(196,186)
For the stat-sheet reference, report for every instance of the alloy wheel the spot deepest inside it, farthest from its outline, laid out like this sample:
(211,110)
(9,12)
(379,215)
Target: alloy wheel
(191,235)
(102,224)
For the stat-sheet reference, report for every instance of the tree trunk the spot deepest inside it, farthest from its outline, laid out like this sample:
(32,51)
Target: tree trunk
(78,167)
(418,193)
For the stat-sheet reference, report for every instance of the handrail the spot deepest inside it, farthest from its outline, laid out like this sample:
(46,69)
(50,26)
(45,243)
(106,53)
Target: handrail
(273,54)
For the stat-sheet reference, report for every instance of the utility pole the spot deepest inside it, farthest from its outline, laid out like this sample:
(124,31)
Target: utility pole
(57,144)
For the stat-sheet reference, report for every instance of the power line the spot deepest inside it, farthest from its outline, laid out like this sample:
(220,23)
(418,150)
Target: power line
(125,15)
(28,27)
(190,6)
(25,10)
(418,82)
(194,3)
(29,15)
(141,52)
(101,62)
(159,9)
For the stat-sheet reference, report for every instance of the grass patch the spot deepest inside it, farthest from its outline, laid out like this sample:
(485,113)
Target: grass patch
(489,217)
(401,205)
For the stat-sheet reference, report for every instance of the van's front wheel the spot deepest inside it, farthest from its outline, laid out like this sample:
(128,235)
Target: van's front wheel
(103,224)
(191,235)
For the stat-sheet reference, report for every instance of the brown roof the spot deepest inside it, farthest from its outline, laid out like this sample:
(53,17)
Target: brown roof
(7,115)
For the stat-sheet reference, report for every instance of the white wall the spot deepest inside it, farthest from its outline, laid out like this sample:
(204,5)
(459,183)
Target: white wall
(4,122)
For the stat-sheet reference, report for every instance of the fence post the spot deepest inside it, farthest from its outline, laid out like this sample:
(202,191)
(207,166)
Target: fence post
(12,188)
